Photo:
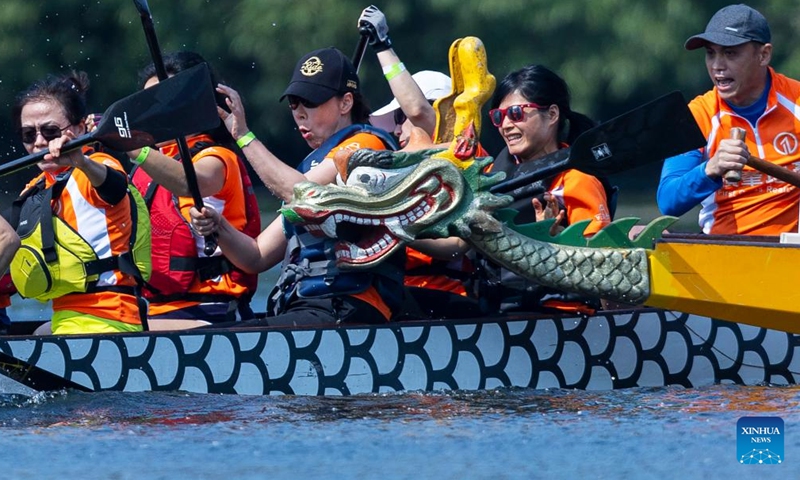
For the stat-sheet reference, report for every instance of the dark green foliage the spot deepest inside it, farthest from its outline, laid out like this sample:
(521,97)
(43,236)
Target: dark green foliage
(615,54)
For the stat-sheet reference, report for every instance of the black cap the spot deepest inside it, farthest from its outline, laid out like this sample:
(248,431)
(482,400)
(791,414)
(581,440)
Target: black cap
(732,25)
(321,74)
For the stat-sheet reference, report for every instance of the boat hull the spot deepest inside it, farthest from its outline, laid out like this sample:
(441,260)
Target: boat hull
(637,348)
(741,279)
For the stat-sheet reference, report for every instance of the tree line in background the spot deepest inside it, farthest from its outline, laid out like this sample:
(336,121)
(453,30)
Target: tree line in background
(615,54)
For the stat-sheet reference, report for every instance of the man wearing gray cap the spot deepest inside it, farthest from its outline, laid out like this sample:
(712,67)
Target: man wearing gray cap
(750,95)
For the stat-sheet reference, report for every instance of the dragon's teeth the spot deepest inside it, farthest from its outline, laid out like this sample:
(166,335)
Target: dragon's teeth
(328,227)
(394,225)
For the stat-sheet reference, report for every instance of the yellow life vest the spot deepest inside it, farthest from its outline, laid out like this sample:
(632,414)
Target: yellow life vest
(54,260)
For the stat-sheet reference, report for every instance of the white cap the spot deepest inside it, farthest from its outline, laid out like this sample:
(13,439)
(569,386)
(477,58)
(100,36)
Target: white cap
(434,85)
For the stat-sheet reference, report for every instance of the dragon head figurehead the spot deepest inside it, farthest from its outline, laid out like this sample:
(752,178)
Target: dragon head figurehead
(385,199)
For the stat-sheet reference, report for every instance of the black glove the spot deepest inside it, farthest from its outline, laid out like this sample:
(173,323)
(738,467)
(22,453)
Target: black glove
(373,23)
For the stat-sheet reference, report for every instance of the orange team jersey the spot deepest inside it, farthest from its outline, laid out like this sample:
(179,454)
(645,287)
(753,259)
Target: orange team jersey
(107,228)
(230,203)
(356,142)
(759,204)
(583,197)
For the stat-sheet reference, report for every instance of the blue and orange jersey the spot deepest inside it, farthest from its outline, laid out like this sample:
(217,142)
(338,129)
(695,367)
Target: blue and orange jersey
(759,204)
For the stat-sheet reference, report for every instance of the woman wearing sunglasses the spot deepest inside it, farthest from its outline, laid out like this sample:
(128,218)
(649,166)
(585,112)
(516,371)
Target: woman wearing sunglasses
(88,196)
(531,110)
(325,101)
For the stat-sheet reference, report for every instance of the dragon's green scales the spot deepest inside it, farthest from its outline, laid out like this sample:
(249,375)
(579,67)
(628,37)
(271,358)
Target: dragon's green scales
(391,198)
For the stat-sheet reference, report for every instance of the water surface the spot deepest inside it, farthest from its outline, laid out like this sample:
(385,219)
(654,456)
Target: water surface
(653,433)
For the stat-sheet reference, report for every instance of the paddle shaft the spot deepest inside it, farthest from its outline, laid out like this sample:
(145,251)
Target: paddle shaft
(34,158)
(781,173)
(183,147)
(361,48)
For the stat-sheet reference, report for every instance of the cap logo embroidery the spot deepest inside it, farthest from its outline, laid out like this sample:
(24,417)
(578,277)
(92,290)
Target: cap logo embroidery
(352,84)
(732,29)
(311,67)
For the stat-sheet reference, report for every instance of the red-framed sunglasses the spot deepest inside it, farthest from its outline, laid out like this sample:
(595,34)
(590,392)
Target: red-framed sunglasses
(515,113)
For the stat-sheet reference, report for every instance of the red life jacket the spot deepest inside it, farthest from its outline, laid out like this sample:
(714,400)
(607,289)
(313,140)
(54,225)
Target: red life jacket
(174,251)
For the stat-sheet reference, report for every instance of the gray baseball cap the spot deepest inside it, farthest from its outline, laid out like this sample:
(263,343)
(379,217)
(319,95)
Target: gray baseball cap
(732,25)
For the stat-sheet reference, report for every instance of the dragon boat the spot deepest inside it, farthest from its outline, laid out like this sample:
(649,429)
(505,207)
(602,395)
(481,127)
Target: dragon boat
(609,350)
(688,317)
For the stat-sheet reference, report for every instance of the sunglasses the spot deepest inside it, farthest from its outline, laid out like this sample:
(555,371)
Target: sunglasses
(515,113)
(48,131)
(295,101)
(399,117)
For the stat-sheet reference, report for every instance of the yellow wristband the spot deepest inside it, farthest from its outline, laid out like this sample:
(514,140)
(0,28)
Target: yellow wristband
(143,153)
(394,70)
(245,139)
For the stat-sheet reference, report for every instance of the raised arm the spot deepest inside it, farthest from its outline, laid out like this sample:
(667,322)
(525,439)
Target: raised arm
(279,177)
(408,94)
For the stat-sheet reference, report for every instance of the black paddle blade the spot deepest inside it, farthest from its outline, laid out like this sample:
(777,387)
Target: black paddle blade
(179,106)
(175,107)
(659,129)
(649,133)
(35,377)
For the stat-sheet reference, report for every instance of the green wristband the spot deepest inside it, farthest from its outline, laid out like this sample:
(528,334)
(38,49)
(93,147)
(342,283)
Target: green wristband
(393,70)
(245,139)
(143,153)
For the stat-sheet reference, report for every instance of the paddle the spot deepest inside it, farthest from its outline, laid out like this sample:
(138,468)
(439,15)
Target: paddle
(183,147)
(361,47)
(781,173)
(35,377)
(652,132)
(180,106)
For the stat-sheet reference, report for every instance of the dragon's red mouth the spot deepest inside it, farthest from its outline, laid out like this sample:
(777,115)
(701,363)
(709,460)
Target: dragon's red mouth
(364,238)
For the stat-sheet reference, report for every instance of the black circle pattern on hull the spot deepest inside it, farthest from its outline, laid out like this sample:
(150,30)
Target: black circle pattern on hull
(609,350)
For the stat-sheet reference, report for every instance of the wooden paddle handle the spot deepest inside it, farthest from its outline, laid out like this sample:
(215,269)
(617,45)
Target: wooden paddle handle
(735,176)
(776,171)
(781,173)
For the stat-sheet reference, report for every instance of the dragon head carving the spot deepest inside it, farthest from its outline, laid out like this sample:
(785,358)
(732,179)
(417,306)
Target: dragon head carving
(384,199)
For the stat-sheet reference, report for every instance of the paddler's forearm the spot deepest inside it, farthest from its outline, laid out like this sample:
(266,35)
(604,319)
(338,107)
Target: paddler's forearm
(249,254)
(278,177)
(9,244)
(408,94)
(170,173)
(239,248)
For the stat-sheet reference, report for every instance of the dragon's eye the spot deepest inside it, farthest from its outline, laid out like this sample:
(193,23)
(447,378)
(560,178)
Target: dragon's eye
(375,180)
